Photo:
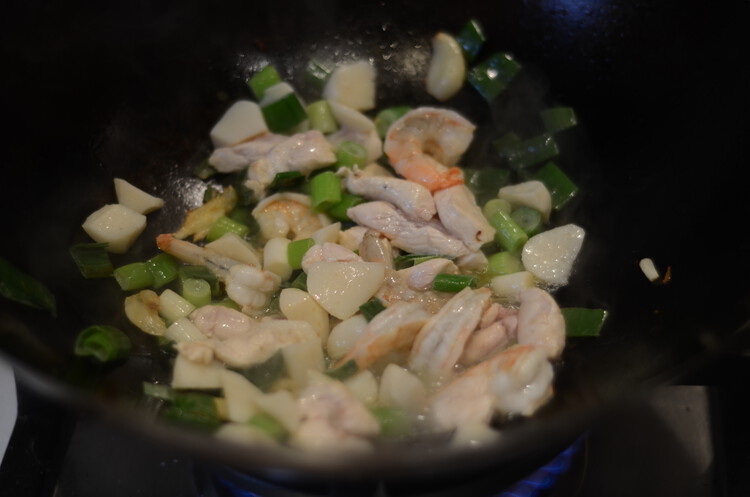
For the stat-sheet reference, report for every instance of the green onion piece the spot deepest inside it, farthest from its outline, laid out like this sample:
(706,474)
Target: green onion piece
(492,76)
(505,142)
(299,282)
(264,375)
(204,170)
(134,276)
(528,219)
(471,38)
(245,196)
(508,234)
(284,113)
(200,273)
(225,225)
(242,215)
(285,180)
(560,186)
(495,205)
(321,117)
(409,260)
(269,425)
(350,154)
(501,263)
(346,370)
(317,73)
(371,308)
(197,410)
(263,80)
(210,193)
(485,183)
(227,302)
(529,152)
(338,211)
(325,190)
(296,250)
(386,117)
(394,422)
(454,283)
(92,259)
(558,118)
(103,343)
(157,390)
(197,292)
(163,268)
(580,322)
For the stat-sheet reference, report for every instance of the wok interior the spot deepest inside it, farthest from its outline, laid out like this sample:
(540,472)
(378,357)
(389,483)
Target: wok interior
(131,91)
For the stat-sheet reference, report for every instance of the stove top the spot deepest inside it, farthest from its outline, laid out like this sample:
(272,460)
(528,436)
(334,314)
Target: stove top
(689,440)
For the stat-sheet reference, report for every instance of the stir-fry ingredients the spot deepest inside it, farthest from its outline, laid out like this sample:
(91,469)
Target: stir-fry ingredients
(361,280)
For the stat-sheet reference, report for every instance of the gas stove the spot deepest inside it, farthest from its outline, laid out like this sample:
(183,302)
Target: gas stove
(690,439)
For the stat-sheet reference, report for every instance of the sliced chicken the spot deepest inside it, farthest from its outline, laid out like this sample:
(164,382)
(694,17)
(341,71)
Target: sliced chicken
(421,276)
(368,139)
(540,322)
(462,217)
(412,236)
(218,321)
(238,157)
(411,198)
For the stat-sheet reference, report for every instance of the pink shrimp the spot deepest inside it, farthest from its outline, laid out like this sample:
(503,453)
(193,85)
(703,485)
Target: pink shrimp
(425,144)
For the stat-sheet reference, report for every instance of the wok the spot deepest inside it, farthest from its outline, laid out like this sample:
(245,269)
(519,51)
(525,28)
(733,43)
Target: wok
(130,90)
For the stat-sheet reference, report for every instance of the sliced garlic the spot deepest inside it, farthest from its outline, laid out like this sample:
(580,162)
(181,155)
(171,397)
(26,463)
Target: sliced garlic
(447,69)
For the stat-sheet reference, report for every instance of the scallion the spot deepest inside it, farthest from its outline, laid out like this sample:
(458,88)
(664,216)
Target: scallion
(196,291)
(103,343)
(317,73)
(471,38)
(528,219)
(346,370)
(494,205)
(560,186)
(580,322)
(492,76)
(300,281)
(486,182)
(350,154)
(25,289)
(187,272)
(286,179)
(204,170)
(528,152)
(163,268)
(508,234)
(557,119)
(262,80)
(325,190)
(194,409)
(409,260)
(264,375)
(371,308)
(269,425)
(158,390)
(454,283)
(321,117)
(134,276)
(296,251)
(338,211)
(225,225)
(284,113)
(394,422)
(386,117)
(92,259)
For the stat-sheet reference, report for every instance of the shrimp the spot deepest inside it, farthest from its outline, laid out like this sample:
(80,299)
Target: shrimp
(196,255)
(218,321)
(540,322)
(286,215)
(238,157)
(390,330)
(425,144)
(258,346)
(251,286)
(518,380)
(440,343)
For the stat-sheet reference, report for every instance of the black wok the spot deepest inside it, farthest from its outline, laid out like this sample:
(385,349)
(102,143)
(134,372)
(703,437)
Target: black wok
(130,90)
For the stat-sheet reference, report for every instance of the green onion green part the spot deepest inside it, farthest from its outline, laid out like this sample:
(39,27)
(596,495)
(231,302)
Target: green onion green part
(284,114)
(286,180)
(338,211)
(557,119)
(92,259)
(296,251)
(269,425)
(454,283)
(263,80)
(560,186)
(325,190)
(158,390)
(486,182)
(299,282)
(196,291)
(394,422)
(164,269)
(528,219)
(508,234)
(134,276)
(350,154)
(501,263)
(471,38)
(388,116)
(317,73)
(580,322)
(528,152)
(371,308)
(492,76)
(194,409)
(264,375)
(409,260)
(103,343)
(346,370)
(204,170)
(225,225)
(321,117)
(188,272)
(494,205)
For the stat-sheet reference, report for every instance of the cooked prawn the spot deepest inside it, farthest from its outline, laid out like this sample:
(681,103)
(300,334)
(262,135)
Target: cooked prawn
(286,215)
(425,144)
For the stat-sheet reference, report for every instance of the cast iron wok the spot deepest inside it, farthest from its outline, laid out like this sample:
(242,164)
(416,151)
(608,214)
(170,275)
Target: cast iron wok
(131,89)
